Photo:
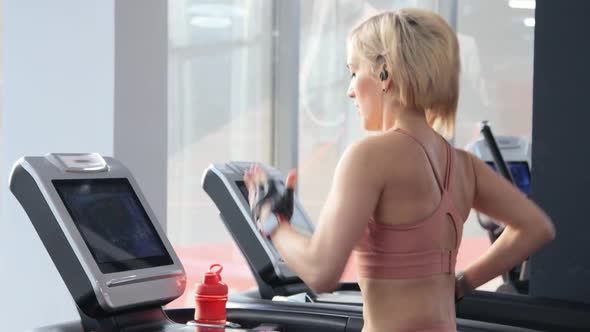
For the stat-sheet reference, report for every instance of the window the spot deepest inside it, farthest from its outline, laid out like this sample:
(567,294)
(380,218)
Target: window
(496,40)
(219,110)
(497,67)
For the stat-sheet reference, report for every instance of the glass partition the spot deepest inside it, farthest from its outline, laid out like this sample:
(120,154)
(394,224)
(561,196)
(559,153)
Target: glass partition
(219,110)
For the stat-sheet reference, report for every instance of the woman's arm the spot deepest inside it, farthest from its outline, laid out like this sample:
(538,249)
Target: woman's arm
(527,226)
(319,260)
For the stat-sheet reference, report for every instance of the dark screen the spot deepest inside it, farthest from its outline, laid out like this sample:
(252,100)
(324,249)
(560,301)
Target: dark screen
(113,223)
(242,186)
(520,173)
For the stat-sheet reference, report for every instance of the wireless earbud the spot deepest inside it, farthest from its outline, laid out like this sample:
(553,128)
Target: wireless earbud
(383,75)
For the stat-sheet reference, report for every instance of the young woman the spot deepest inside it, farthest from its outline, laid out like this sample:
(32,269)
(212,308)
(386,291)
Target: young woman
(399,199)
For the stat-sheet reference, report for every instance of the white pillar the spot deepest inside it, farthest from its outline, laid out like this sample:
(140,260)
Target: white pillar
(141,81)
(63,60)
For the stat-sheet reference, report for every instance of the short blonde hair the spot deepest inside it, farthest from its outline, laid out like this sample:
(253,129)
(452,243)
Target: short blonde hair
(421,53)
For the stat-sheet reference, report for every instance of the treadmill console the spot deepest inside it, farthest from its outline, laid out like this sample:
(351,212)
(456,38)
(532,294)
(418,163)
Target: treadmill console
(521,174)
(517,155)
(101,234)
(224,184)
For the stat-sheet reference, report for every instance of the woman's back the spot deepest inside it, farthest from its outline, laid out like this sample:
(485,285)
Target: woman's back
(412,198)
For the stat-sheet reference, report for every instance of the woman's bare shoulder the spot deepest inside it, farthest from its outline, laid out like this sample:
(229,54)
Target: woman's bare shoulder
(387,154)
(382,147)
(464,160)
(463,155)
(378,144)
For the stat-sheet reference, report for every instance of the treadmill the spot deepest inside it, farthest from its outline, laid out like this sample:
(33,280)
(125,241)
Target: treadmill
(120,268)
(114,257)
(278,286)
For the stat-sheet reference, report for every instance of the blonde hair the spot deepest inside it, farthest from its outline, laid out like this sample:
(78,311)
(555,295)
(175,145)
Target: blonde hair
(421,54)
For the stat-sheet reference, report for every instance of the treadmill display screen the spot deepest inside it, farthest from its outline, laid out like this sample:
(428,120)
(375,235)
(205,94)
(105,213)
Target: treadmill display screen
(113,223)
(520,173)
(298,221)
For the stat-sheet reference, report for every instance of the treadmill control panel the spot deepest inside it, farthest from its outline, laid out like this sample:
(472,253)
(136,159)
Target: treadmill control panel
(224,184)
(100,232)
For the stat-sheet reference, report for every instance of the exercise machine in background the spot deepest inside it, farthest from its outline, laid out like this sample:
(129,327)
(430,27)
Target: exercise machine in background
(511,157)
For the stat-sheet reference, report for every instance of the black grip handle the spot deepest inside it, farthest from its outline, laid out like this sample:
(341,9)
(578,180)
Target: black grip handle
(486,131)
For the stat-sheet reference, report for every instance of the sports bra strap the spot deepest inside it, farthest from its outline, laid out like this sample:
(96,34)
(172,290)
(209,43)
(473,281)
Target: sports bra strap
(442,186)
(449,164)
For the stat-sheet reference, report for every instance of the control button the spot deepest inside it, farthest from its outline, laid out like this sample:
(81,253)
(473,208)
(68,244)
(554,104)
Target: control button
(78,162)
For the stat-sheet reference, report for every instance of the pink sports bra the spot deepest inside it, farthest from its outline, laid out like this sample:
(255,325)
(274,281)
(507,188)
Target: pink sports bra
(411,250)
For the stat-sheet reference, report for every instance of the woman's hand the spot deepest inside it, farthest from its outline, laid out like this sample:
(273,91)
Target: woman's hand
(462,286)
(258,184)
(256,177)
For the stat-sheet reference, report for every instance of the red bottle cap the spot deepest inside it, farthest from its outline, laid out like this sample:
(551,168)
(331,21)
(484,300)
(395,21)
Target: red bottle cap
(211,283)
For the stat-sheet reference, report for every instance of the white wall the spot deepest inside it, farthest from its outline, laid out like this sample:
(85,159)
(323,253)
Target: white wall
(59,64)
(58,97)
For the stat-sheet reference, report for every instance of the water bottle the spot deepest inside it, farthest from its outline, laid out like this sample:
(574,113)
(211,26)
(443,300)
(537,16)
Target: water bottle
(211,297)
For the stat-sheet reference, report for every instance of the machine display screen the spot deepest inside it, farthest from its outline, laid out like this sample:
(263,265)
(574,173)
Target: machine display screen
(520,173)
(113,223)
(298,221)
